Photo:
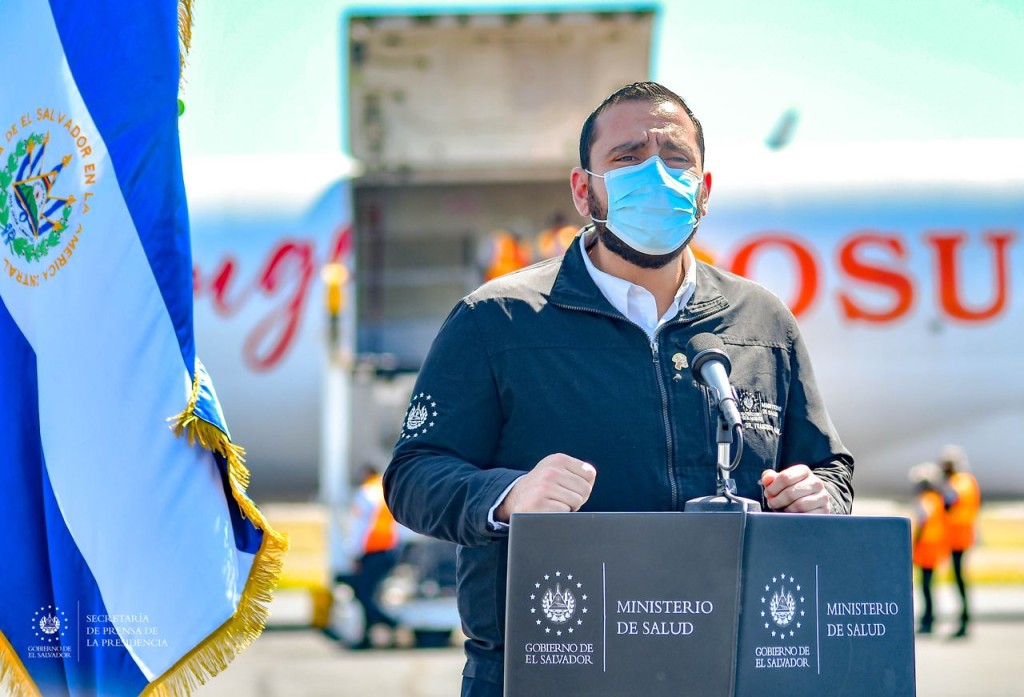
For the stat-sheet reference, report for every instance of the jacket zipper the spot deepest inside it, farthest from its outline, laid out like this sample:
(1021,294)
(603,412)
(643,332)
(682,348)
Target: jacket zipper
(664,418)
(656,360)
(670,461)
(664,393)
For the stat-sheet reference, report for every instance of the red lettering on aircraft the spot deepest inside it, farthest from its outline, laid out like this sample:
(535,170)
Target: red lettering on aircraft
(866,260)
(291,267)
(806,267)
(857,264)
(946,244)
(287,272)
(342,244)
(220,285)
(854,264)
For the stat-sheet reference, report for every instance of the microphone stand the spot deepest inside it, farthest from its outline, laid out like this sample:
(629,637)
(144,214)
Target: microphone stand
(726,499)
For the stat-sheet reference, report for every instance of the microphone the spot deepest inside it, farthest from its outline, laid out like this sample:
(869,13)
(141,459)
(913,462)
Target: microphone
(710,365)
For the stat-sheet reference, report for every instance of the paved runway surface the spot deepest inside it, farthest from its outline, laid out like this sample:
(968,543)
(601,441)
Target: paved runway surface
(303,663)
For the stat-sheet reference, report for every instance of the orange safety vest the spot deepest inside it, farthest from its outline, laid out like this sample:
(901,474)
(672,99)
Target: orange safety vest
(963,514)
(382,534)
(555,242)
(506,256)
(702,254)
(931,543)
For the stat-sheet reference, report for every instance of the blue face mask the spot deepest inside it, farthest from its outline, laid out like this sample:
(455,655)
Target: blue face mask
(651,207)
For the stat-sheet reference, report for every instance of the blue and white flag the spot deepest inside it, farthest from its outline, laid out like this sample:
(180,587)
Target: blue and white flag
(131,560)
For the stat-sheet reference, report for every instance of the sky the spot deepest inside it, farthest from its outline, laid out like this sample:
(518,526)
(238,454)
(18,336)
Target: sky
(264,77)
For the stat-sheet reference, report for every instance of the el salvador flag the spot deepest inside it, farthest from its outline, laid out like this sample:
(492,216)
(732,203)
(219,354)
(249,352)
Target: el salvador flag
(131,560)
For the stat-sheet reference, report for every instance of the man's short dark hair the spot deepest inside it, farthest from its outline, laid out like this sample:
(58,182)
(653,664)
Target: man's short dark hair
(635,92)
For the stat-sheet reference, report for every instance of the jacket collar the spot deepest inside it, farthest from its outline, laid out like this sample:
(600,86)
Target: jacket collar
(708,298)
(575,288)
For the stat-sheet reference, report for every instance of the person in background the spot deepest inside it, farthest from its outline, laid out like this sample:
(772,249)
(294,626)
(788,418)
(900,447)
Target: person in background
(555,239)
(963,498)
(376,535)
(930,536)
(506,253)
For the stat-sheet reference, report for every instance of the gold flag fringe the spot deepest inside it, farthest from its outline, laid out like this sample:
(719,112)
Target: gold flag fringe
(14,679)
(185,15)
(215,652)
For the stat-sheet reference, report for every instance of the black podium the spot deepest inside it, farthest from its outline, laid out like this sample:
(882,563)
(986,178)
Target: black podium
(709,604)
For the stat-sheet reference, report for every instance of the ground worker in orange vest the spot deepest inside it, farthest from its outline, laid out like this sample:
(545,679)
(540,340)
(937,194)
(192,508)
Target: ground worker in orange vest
(506,254)
(554,240)
(930,536)
(964,500)
(375,535)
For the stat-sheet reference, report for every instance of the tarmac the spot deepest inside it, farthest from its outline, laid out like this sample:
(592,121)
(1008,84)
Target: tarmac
(295,660)
(305,663)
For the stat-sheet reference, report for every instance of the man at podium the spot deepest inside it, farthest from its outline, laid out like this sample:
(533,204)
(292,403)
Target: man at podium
(565,386)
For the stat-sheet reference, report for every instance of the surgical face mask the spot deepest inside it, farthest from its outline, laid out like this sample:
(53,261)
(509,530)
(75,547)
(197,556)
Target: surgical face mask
(651,207)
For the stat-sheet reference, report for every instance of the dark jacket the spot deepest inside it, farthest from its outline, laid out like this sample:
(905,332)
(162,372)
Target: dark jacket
(539,362)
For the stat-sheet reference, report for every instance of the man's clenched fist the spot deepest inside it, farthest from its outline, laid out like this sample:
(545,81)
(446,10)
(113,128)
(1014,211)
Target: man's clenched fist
(557,484)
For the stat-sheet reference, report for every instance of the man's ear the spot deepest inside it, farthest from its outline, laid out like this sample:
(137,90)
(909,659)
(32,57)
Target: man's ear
(579,180)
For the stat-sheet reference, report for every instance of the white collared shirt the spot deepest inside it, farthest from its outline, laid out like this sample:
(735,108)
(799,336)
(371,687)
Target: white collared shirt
(636,302)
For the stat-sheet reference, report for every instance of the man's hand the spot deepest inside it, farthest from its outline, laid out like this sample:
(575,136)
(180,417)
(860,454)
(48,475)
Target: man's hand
(795,489)
(557,484)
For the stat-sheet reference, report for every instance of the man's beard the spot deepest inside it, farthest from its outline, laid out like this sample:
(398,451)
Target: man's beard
(620,248)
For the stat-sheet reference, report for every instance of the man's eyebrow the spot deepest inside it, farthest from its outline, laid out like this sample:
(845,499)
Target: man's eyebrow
(632,145)
(628,146)
(679,147)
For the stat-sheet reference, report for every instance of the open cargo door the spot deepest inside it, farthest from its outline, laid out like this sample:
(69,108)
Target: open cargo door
(467,126)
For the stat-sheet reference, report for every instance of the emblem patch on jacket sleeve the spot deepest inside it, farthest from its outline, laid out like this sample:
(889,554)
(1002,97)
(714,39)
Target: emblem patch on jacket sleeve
(419,418)
(757,412)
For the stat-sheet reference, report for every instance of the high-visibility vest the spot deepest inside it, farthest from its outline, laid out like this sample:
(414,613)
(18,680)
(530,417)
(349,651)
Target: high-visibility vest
(962,515)
(555,241)
(702,254)
(931,544)
(382,533)
(506,256)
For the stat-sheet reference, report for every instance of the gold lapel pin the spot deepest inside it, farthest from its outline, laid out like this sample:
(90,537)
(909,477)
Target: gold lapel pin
(679,361)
